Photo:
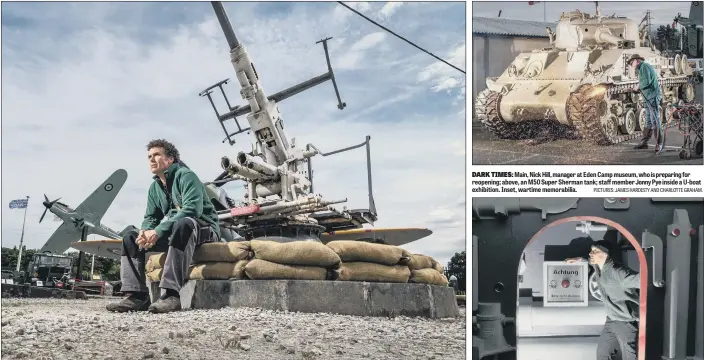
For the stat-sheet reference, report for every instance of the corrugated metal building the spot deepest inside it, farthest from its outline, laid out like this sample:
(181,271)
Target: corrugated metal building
(497,41)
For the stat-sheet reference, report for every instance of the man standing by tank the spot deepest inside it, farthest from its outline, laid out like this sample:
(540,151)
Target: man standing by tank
(649,88)
(178,197)
(620,290)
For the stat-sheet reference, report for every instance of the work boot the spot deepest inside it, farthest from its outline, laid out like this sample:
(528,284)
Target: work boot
(644,141)
(166,303)
(134,302)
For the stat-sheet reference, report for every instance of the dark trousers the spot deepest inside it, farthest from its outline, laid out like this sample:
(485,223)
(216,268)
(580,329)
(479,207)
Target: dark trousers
(618,337)
(179,245)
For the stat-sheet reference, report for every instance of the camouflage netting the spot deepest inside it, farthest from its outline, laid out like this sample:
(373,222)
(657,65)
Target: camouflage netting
(342,260)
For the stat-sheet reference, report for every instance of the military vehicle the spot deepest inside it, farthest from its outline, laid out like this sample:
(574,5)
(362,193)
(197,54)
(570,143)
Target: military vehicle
(48,269)
(582,82)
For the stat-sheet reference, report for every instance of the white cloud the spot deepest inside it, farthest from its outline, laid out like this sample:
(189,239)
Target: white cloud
(389,9)
(83,105)
(443,76)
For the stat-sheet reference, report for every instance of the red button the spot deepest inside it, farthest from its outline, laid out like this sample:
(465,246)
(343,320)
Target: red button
(565,283)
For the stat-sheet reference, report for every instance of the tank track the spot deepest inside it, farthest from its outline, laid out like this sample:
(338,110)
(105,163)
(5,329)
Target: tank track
(487,109)
(582,111)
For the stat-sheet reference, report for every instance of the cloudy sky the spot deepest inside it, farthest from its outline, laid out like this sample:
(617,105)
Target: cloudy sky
(86,85)
(662,12)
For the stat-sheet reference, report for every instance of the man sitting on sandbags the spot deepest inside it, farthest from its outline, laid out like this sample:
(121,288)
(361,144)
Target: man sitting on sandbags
(178,197)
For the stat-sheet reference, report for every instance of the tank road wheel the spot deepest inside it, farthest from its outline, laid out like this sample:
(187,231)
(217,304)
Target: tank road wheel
(588,111)
(629,122)
(487,108)
(687,92)
(678,65)
(641,119)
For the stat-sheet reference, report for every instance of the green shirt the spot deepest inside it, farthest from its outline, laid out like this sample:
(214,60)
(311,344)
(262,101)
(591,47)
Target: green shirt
(187,198)
(648,82)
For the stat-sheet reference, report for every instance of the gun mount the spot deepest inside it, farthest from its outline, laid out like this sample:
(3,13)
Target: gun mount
(279,201)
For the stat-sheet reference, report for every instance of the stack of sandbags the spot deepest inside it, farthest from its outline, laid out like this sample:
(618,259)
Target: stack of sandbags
(155,266)
(211,261)
(296,260)
(426,270)
(363,261)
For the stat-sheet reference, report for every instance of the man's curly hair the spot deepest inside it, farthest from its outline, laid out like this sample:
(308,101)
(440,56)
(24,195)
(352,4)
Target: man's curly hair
(169,148)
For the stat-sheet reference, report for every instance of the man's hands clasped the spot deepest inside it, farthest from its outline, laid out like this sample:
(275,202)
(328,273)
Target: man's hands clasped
(146,239)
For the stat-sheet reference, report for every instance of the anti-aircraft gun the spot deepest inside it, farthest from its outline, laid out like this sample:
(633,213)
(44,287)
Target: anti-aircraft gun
(582,81)
(279,203)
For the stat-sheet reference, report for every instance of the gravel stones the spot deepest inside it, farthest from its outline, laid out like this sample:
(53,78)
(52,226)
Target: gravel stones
(60,329)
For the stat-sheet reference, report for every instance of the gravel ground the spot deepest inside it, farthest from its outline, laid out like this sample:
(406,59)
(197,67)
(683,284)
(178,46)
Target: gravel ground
(83,329)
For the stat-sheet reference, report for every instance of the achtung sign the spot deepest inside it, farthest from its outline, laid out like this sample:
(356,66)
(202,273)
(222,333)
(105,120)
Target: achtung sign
(565,284)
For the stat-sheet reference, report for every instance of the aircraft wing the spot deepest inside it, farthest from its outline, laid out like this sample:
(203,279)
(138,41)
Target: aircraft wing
(58,241)
(396,237)
(94,207)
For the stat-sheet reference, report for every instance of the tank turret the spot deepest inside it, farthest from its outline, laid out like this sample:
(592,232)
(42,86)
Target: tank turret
(577,30)
(582,82)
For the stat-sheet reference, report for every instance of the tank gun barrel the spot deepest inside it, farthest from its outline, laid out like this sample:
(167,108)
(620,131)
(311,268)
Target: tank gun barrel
(225,24)
(604,36)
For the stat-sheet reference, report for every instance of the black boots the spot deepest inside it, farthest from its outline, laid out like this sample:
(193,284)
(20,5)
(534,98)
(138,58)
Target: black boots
(644,141)
(134,302)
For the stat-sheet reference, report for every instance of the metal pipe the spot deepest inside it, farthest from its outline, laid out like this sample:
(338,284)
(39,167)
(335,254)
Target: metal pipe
(372,205)
(279,96)
(267,189)
(475,274)
(256,164)
(699,325)
(603,35)
(237,169)
(316,200)
(225,24)
(677,312)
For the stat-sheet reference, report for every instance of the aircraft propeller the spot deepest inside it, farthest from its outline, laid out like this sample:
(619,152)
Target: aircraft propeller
(48,204)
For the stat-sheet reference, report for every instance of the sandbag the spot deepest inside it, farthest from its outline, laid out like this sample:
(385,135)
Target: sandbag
(218,271)
(306,253)
(258,269)
(361,271)
(155,261)
(420,261)
(361,251)
(428,276)
(232,251)
(439,268)
(154,275)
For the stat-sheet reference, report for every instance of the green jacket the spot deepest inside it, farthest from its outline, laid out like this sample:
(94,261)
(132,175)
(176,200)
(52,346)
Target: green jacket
(188,199)
(620,287)
(648,83)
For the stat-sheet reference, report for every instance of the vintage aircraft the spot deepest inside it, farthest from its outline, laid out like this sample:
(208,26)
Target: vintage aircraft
(113,248)
(85,219)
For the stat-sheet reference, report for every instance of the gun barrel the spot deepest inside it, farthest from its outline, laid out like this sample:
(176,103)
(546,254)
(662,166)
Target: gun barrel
(237,169)
(604,36)
(225,24)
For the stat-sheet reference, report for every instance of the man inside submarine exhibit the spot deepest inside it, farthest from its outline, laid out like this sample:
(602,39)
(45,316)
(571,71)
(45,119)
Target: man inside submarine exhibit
(658,239)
